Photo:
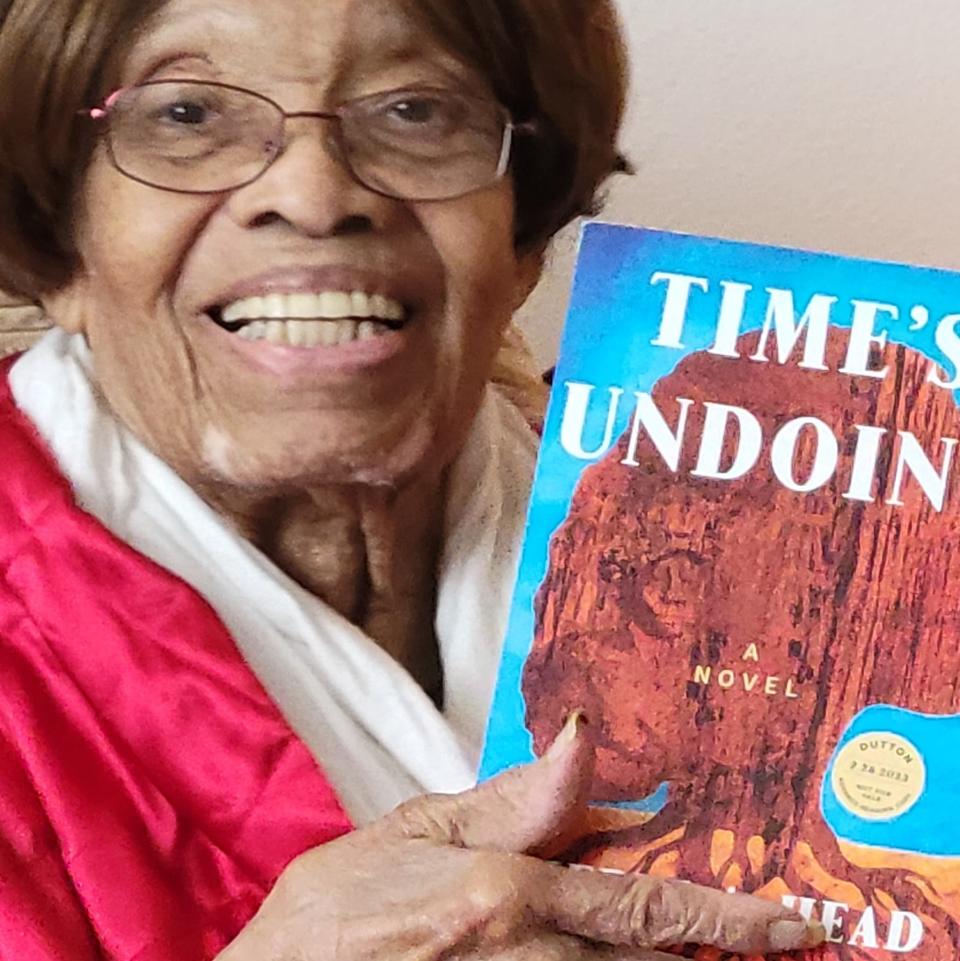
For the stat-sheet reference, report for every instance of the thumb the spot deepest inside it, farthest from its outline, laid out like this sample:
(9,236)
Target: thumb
(529,810)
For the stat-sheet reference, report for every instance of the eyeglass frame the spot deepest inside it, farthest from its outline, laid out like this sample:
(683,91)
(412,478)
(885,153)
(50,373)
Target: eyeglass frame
(511,129)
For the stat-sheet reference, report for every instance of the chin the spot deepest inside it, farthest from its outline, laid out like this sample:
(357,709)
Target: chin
(237,462)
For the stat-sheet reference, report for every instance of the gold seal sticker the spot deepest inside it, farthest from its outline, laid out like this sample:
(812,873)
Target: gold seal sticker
(878,776)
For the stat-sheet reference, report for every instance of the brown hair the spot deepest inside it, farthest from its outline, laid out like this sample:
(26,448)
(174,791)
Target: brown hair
(560,63)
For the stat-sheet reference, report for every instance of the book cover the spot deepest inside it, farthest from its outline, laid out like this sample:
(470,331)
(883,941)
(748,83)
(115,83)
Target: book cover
(743,562)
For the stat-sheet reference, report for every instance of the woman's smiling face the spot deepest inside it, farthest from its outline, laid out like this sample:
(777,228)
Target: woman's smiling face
(158,267)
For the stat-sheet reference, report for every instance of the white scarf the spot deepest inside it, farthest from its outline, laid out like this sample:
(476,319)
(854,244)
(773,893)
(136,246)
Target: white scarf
(377,735)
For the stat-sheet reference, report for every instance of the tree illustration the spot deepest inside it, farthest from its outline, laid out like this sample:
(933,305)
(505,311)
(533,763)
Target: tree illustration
(812,606)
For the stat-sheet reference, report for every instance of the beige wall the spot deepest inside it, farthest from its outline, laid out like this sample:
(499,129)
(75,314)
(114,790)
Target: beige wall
(825,124)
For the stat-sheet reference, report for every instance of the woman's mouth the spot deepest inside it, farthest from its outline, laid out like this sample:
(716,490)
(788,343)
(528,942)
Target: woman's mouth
(306,319)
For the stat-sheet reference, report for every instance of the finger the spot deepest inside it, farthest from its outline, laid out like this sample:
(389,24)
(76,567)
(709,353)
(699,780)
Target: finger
(631,954)
(526,810)
(645,912)
(561,947)
(602,952)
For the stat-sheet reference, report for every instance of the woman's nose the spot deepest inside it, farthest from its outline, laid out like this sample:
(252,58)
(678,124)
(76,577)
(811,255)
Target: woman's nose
(309,187)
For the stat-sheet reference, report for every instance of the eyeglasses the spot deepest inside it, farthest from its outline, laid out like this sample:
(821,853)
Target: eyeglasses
(195,137)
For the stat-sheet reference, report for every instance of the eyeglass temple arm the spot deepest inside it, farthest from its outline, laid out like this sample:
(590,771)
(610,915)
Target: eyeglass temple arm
(509,132)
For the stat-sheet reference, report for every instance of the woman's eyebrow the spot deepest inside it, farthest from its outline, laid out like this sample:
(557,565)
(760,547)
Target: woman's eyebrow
(413,53)
(161,42)
(151,66)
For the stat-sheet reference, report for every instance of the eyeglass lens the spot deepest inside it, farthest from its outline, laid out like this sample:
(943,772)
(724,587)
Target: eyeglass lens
(203,138)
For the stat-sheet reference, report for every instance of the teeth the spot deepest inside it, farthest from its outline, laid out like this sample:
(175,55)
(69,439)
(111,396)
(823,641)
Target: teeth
(327,305)
(312,333)
(347,331)
(274,306)
(328,335)
(277,332)
(257,307)
(360,305)
(301,305)
(296,333)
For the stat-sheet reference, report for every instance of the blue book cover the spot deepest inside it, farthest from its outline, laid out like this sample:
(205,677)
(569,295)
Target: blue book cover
(742,561)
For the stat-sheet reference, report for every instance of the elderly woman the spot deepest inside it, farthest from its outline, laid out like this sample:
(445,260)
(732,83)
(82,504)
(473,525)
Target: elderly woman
(260,502)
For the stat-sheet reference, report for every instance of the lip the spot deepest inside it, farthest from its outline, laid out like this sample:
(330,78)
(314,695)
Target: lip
(304,279)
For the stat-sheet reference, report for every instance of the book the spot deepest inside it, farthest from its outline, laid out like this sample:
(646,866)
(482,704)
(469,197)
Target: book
(742,561)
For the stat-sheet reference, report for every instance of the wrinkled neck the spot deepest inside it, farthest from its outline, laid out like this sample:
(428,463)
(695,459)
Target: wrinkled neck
(370,553)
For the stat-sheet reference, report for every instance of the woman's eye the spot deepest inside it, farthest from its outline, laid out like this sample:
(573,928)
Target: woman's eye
(185,112)
(416,111)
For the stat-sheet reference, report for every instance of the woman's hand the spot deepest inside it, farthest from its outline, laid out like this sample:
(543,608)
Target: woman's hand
(461,877)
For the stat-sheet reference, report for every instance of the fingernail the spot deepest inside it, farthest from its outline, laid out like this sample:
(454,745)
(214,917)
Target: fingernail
(792,935)
(576,721)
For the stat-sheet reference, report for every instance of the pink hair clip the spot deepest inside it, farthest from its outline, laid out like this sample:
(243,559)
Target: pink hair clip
(98,113)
